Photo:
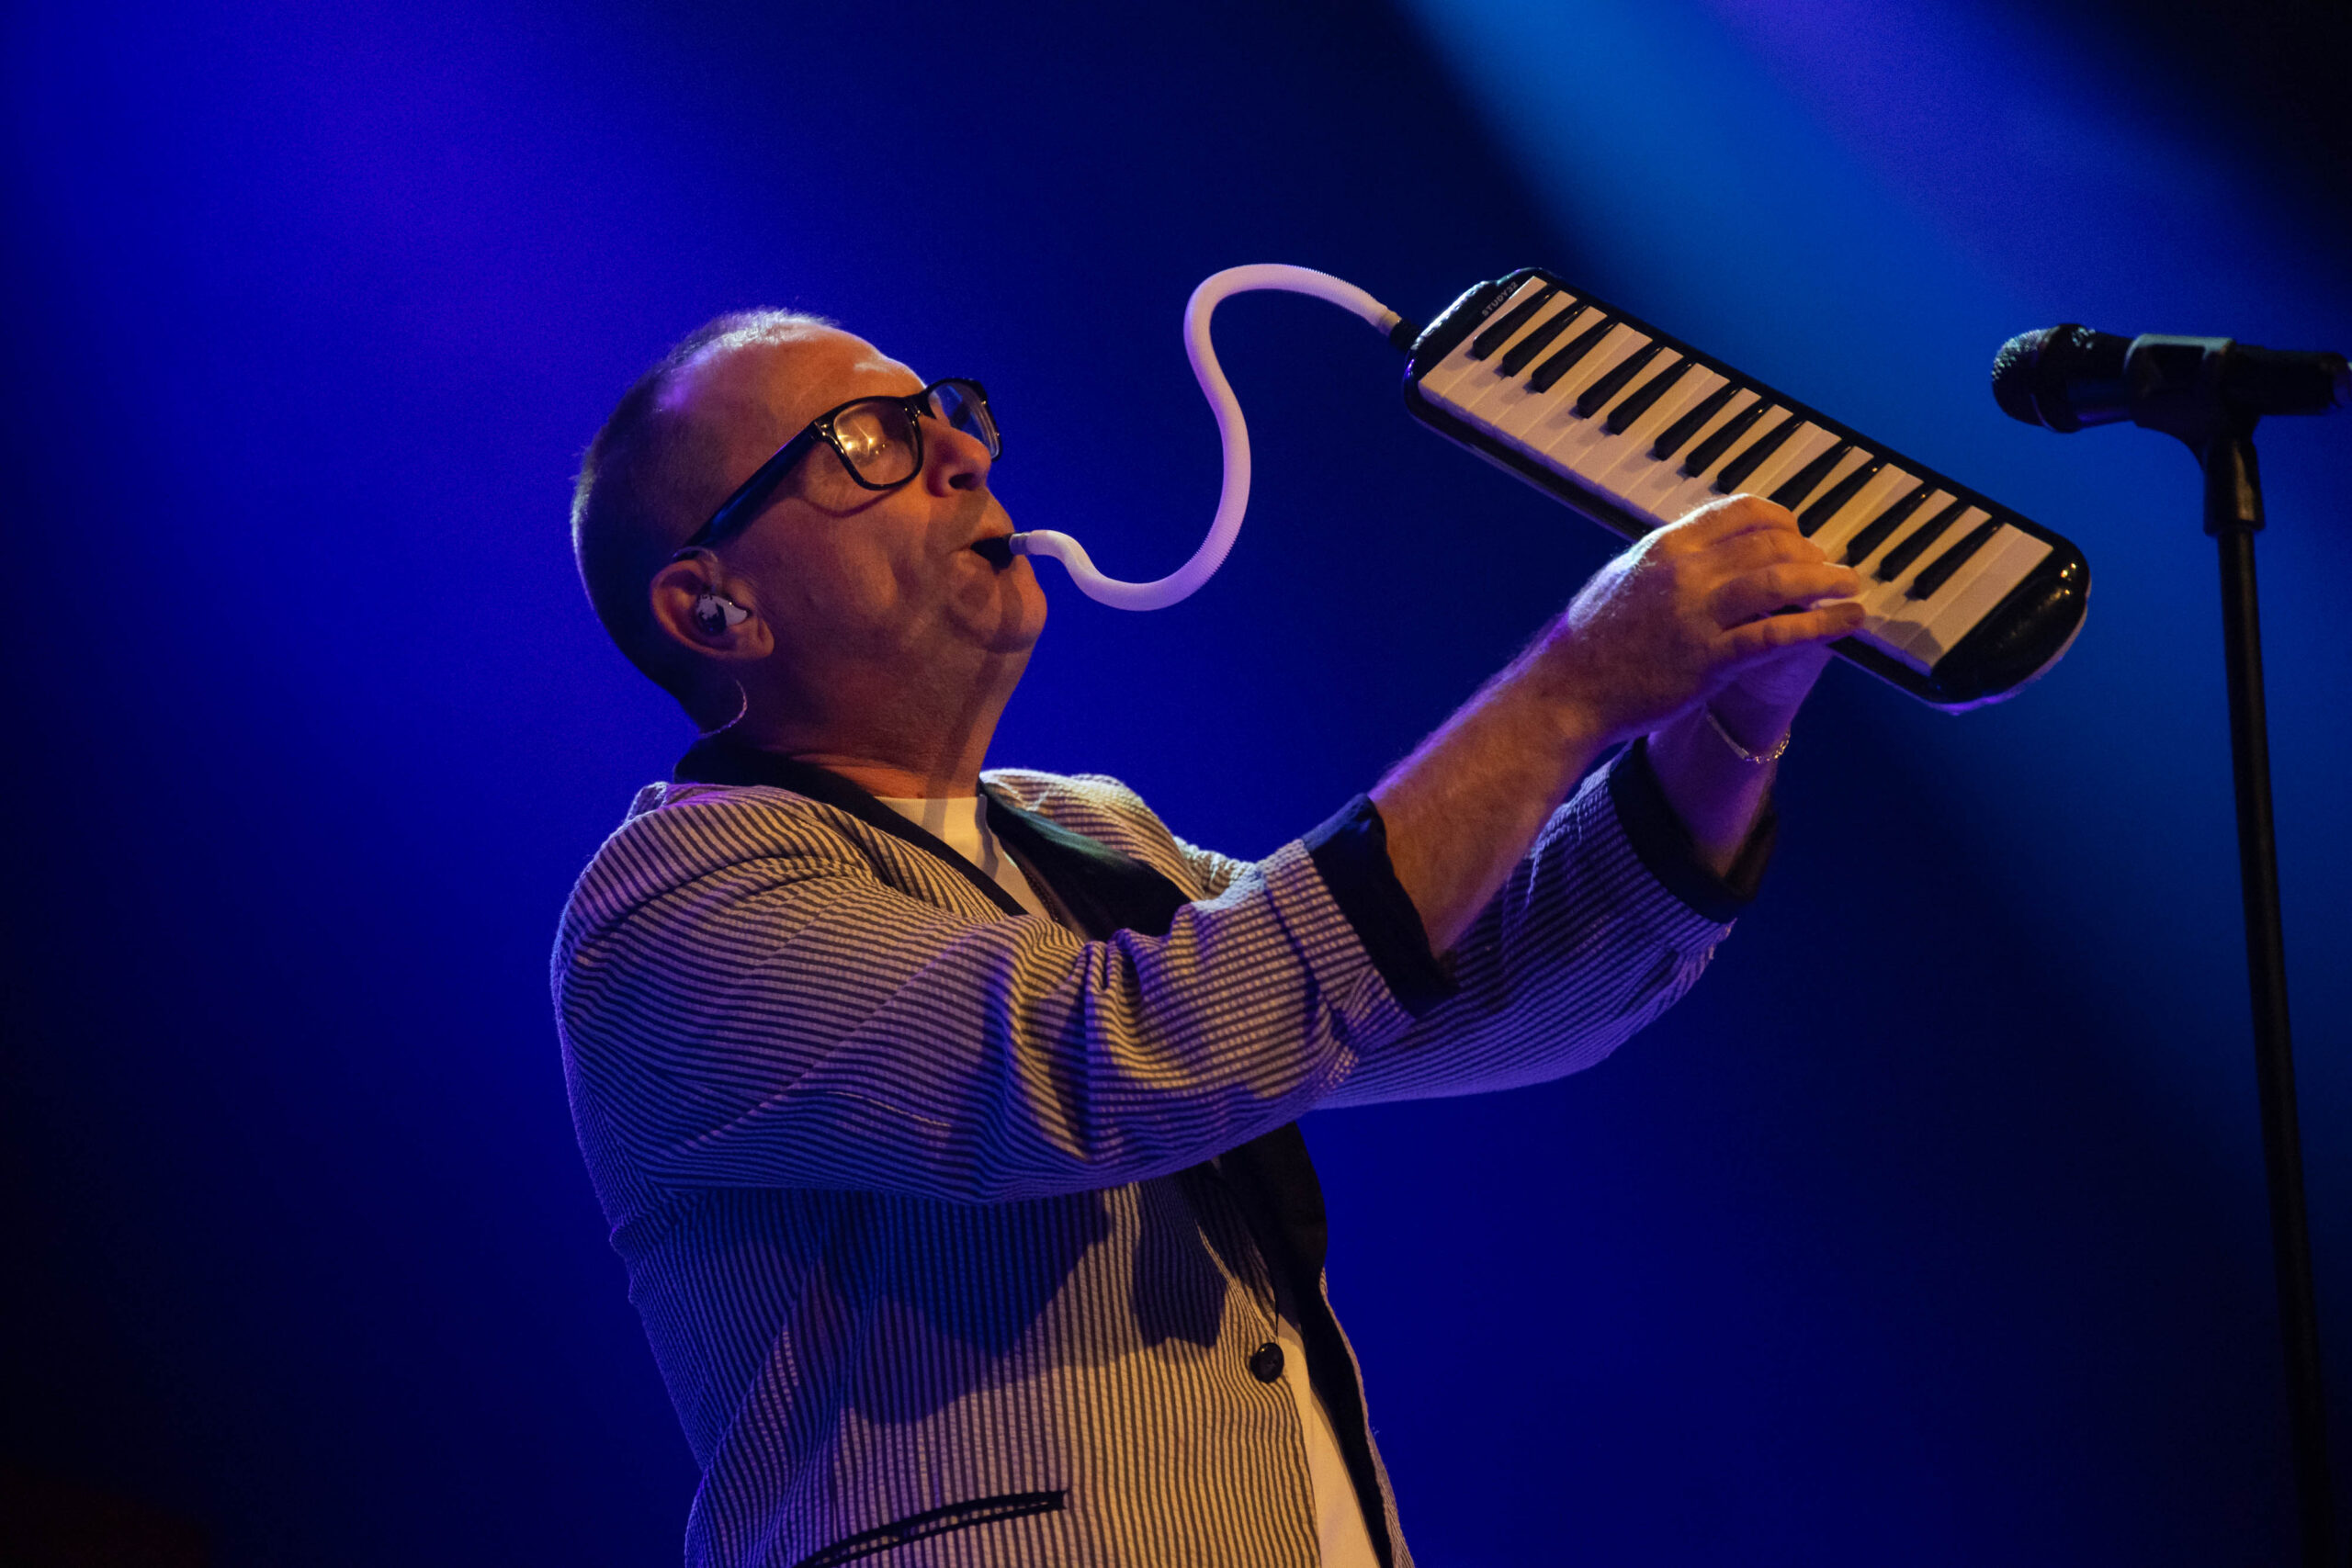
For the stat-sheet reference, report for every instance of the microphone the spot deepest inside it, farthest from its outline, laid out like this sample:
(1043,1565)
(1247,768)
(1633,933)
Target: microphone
(2067,376)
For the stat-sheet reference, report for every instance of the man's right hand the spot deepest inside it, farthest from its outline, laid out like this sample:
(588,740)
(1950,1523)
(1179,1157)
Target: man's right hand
(1667,623)
(1655,634)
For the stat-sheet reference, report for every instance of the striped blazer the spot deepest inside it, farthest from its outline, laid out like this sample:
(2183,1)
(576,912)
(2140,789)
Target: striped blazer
(910,1188)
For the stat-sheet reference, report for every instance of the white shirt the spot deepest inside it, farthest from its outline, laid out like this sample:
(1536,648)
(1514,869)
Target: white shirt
(961,824)
(1339,1521)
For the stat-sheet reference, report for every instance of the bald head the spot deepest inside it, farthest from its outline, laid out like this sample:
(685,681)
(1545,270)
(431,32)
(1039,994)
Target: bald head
(877,627)
(672,450)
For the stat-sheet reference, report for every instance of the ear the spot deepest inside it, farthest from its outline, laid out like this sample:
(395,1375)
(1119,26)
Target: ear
(700,606)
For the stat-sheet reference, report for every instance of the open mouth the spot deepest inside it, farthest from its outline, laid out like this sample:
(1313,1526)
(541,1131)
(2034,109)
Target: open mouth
(996,551)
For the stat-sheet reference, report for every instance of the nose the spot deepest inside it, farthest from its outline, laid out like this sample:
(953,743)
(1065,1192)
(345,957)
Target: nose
(952,459)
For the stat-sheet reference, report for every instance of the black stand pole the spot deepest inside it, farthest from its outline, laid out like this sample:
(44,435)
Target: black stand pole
(2232,515)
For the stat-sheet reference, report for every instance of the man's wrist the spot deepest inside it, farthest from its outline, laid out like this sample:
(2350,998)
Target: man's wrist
(1717,793)
(1715,888)
(1757,728)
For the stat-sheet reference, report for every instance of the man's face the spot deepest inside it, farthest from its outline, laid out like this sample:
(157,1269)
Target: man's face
(887,579)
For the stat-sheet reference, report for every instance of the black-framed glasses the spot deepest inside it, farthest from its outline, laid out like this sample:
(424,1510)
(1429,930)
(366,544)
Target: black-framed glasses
(879,440)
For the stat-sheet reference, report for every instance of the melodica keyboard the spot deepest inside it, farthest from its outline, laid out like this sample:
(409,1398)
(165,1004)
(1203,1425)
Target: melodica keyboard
(1966,600)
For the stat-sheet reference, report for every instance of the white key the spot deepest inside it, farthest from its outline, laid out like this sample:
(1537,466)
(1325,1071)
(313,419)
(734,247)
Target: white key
(1665,494)
(1622,343)
(1890,486)
(1442,385)
(1439,384)
(1556,434)
(1770,415)
(1622,462)
(1491,398)
(1869,638)
(2010,555)
(1885,602)
(1921,640)
(1682,496)
(1905,617)
(1693,387)
(1806,443)
(1561,394)
(1847,465)
(1462,381)
(1561,321)
(1927,509)
(1486,392)
(1502,403)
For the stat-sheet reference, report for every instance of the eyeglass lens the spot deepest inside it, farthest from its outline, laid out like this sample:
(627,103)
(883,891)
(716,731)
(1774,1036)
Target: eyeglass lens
(959,404)
(877,439)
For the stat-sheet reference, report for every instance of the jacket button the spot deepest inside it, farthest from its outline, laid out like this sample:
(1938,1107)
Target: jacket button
(1266,1363)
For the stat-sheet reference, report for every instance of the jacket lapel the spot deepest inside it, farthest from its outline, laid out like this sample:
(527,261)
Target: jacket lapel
(1103,890)
(1106,891)
(716,763)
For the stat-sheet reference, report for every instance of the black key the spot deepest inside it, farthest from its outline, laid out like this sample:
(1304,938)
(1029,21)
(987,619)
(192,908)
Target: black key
(1810,477)
(1595,398)
(1764,445)
(1499,332)
(1564,361)
(1702,456)
(1874,531)
(1515,359)
(1669,440)
(1898,559)
(1642,396)
(1809,520)
(1940,574)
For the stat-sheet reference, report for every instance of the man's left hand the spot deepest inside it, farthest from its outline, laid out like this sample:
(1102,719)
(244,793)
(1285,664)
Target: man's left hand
(1718,793)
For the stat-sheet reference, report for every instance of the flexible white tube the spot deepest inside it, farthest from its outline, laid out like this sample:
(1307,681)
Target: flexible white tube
(1234,500)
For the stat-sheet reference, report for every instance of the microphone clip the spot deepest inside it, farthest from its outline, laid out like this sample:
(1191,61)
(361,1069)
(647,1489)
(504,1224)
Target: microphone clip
(2189,388)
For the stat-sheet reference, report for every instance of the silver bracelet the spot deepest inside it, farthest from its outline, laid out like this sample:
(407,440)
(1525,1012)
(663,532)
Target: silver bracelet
(1755,759)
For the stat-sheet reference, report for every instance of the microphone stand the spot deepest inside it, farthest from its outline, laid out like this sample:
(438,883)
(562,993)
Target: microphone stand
(2221,435)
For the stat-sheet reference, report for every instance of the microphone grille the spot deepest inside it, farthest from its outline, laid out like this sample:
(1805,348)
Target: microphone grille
(2013,372)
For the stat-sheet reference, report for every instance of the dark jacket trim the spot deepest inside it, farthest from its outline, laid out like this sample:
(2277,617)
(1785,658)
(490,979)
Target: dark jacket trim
(936,1521)
(1664,847)
(1352,852)
(1104,889)
(1274,1181)
(717,762)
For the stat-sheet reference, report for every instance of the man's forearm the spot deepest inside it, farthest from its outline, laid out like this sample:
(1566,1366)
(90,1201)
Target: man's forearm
(1469,801)
(1732,603)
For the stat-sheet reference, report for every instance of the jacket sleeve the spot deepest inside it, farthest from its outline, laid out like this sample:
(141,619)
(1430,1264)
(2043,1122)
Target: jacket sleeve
(744,1001)
(1594,935)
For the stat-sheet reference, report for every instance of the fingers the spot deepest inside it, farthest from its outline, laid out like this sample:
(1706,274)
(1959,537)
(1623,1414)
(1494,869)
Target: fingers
(1718,521)
(1757,560)
(1775,587)
(1755,641)
(1759,547)
(1646,635)
(1742,535)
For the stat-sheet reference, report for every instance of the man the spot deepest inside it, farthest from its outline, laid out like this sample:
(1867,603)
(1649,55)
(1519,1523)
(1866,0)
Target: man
(948,1136)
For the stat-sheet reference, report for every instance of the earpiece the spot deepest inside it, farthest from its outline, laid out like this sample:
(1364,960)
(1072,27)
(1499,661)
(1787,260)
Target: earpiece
(714,615)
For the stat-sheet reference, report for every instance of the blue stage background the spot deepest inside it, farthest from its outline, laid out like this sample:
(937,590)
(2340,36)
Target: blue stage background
(1929,1230)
